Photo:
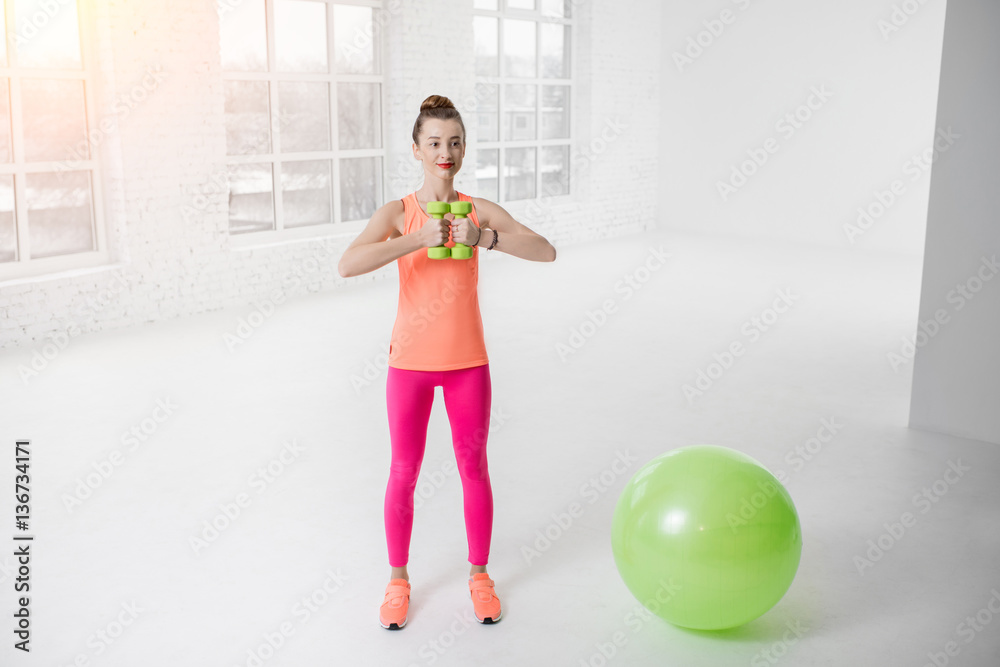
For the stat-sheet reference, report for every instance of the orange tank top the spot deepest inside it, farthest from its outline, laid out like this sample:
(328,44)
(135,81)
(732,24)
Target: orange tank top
(438,325)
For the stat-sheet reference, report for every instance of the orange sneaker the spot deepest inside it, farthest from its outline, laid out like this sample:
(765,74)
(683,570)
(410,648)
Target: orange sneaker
(392,613)
(484,600)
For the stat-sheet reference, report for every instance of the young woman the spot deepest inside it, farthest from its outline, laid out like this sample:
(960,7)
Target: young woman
(437,340)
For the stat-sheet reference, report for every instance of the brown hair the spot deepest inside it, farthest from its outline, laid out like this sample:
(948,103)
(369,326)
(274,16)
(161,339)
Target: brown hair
(440,107)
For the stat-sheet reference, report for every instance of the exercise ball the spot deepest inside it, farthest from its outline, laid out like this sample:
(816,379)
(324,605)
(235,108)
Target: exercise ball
(706,537)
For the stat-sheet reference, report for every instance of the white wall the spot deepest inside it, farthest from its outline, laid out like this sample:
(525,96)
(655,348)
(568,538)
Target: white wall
(166,196)
(956,372)
(765,63)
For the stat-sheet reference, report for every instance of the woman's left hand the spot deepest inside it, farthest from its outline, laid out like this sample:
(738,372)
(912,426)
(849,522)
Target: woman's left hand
(464,231)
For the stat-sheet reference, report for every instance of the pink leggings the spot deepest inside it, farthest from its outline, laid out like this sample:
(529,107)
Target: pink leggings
(408,396)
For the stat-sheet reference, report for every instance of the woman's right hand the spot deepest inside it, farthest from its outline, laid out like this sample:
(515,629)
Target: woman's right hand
(434,233)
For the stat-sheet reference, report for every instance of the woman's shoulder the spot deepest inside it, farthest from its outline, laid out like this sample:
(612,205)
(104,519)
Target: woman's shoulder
(485,209)
(393,206)
(392,209)
(394,213)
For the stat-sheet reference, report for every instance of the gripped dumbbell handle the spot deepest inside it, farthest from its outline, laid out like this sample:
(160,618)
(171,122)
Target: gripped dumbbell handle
(436,210)
(461,209)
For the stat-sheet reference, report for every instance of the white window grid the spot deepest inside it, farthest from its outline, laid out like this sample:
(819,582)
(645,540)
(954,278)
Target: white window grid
(24,266)
(332,77)
(537,15)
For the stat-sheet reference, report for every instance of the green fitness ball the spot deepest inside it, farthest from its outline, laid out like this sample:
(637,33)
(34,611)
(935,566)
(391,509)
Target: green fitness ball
(706,537)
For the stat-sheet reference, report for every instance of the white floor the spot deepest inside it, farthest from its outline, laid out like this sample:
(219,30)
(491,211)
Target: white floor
(116,579)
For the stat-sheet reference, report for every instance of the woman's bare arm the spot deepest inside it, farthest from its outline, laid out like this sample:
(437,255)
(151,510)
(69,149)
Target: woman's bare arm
(371,251)
(514,238)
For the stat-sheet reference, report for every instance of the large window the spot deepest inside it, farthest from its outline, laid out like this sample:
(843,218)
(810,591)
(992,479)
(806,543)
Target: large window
(49,176)
(303,107)
(523,92)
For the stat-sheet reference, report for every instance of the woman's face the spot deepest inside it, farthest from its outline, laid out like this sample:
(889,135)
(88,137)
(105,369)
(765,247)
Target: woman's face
(441,148)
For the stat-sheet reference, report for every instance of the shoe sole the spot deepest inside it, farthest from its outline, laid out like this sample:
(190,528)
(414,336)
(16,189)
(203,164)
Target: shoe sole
(489,620)
(393,626)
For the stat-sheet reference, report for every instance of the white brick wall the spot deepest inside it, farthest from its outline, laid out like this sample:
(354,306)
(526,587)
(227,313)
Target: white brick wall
(164,175)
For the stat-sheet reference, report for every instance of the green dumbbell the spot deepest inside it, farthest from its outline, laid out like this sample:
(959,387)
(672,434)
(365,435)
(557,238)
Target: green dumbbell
(461,209)
(437,210)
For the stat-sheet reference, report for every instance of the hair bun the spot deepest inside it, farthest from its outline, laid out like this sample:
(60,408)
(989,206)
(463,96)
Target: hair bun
(437,102)
(440,108)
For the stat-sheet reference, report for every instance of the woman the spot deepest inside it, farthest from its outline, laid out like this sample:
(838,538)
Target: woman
(437,340)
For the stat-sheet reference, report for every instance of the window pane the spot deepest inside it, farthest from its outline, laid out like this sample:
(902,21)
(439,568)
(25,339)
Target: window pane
(300,35)
(486,4)
(519,112)
(487,112)
(358,115)
(305,193)
(3,46)
(556,8)
(4,121)
(243,29)
(484,29)
(354,38)
(519,48)
(360,185)
(55,122)
(248,127)
(555,112)
(555,170)
(519,173)
(251,202)
(521,4)
(48,34)
(8,230)
(305,116)
(555,51)
(486,174)
(60,220)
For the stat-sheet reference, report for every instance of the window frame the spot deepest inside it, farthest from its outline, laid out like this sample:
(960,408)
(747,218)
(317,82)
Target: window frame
(25,266)
(502,79)
(336,226)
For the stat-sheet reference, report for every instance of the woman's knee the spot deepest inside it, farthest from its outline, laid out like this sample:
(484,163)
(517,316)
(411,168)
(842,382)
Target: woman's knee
(404,473)
(472,463)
